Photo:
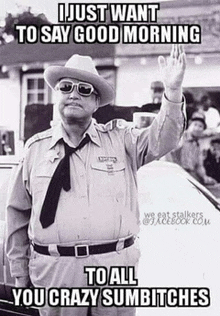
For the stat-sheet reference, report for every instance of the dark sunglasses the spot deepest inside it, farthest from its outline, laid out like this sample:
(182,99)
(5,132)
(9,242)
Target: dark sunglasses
(83,88)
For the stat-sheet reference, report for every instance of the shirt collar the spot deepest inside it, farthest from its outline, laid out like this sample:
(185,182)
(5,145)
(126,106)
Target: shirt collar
(60,133)
(92,132)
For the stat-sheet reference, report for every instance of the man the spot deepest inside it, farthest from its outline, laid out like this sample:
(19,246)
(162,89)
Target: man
(211,114)
(189,153)
(87,196)
(211,161)
(156,90)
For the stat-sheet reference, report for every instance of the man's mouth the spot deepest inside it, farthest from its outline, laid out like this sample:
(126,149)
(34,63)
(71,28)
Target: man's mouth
(73,104)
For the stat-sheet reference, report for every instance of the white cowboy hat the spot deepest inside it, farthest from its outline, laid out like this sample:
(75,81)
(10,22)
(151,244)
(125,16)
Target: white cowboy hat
(81,68)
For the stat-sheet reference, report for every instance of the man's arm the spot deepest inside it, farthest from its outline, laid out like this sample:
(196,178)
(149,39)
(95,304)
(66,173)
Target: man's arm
(172,71)
(18,216)
(167,128)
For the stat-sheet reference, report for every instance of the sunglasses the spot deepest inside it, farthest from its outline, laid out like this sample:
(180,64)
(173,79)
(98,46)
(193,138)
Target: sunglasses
(83,88)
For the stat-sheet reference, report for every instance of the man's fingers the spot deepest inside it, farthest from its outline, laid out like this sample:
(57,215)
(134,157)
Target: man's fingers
(182,60)
(177,57)
(176,51)
(161,61)
(181,49)
(172,52)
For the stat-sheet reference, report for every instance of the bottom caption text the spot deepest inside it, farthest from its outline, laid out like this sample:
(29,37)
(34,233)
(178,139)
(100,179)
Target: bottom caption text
(117,287)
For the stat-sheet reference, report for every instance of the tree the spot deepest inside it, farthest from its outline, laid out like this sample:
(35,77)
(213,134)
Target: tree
(24,18)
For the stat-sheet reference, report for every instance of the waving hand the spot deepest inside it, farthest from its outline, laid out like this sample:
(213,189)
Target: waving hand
(172,71)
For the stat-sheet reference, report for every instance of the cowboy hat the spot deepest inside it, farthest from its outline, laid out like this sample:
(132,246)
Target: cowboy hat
(81,68)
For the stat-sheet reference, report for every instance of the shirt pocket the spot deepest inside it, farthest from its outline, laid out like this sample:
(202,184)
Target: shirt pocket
(40,178)
(108,179)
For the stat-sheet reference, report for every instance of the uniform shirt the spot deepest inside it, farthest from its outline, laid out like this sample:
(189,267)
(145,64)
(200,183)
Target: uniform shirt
(102,203)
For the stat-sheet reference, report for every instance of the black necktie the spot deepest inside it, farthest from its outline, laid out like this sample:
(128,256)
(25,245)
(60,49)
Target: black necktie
(59,180)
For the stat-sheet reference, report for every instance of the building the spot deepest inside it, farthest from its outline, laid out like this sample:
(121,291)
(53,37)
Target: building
(202,59)
(21,77)
(131,68)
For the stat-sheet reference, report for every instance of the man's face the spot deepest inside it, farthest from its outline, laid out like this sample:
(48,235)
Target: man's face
(73,105)
(196,128)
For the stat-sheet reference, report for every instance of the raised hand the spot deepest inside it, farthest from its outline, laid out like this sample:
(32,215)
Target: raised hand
(172,71)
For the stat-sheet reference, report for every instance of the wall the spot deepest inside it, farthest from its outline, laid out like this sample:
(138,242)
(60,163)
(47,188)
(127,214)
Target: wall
(10,105)
(137,63)
(134,79)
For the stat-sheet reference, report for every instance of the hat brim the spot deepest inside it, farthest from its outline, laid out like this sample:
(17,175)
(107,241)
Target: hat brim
(54,73)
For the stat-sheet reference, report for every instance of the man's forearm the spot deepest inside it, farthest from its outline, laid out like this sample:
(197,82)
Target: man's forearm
(18,217)
(17,242)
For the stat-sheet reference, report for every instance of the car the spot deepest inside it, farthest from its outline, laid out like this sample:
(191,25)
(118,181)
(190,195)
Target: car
(179,237)
(6,281)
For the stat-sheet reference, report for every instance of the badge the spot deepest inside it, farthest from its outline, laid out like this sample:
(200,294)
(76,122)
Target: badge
(107,159)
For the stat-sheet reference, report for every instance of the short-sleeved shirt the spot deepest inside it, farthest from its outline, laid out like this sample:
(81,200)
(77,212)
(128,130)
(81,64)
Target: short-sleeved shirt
(102,203)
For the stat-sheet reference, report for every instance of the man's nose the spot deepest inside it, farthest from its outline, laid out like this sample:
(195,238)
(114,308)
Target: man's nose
(74,93)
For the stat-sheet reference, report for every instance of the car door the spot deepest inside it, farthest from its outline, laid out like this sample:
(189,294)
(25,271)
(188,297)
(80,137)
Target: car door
(6,281)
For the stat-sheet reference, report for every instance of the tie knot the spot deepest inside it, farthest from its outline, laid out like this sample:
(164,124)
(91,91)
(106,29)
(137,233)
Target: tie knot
(70,150)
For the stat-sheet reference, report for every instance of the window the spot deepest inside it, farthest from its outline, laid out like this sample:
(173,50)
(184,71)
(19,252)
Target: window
(35,90)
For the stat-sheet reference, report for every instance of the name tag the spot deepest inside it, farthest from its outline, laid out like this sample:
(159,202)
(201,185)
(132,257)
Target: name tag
(107,159)
(109,165)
